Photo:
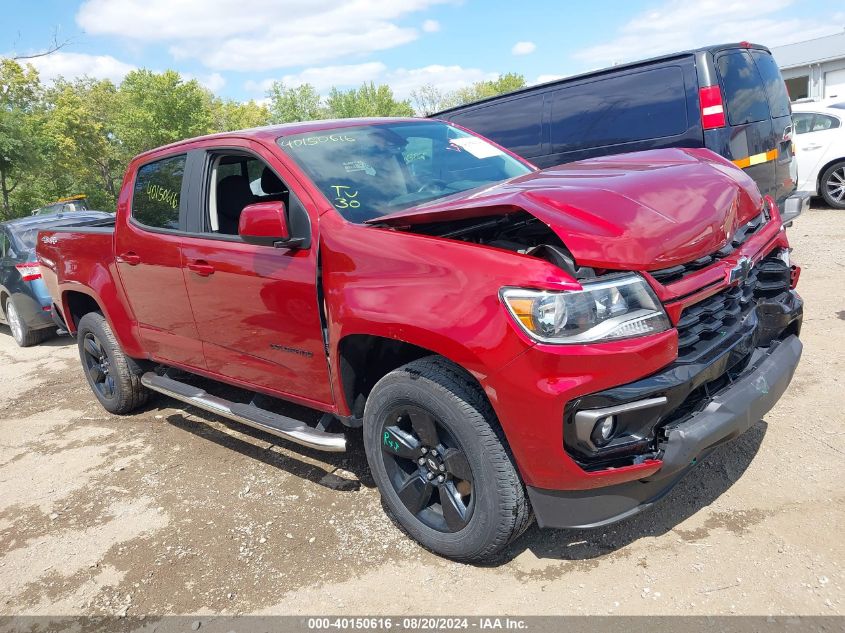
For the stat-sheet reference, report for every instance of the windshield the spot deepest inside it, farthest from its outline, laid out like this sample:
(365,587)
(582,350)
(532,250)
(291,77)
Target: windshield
(374,170)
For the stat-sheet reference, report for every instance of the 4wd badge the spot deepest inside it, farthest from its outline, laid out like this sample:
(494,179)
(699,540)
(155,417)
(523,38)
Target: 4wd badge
(741,270)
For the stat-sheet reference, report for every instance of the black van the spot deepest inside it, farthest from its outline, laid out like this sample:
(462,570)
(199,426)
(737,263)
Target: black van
(729,98)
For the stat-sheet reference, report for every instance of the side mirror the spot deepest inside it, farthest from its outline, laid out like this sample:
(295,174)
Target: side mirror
(266,224)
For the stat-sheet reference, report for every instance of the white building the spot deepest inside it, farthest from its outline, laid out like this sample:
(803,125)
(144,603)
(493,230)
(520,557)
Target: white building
(814,68)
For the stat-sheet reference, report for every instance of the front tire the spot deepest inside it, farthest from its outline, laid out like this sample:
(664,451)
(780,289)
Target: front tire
(832,185)
(441,463)
(114,378)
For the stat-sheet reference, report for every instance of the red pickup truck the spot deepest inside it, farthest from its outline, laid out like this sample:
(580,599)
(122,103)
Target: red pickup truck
(562,344)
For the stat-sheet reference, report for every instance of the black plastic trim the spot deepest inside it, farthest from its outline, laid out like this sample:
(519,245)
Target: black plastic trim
(729,414)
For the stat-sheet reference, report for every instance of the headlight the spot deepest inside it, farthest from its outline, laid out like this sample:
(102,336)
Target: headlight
(622,307)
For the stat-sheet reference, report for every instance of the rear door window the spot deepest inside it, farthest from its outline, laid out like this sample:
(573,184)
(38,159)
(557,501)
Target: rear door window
(744,91)
(773,81)
(823,122)
(516,123)
(157,196)
(623,109)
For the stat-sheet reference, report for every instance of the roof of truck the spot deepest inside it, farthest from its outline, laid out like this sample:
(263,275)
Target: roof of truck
(272,132)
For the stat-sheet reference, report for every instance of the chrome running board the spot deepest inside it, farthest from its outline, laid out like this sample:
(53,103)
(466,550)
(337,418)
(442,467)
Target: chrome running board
(261,419)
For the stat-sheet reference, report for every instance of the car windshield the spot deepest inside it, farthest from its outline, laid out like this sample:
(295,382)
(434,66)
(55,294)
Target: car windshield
(373,170)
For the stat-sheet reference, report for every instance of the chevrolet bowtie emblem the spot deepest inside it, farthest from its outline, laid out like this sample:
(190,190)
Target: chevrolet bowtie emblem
(741,270)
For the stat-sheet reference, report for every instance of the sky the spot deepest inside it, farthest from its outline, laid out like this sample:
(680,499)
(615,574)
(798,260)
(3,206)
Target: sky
(237,49)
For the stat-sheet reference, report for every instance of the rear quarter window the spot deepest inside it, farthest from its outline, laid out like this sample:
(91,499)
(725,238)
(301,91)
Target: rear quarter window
(745,95)
(515,123)
(622,109)
(773,81)
(158,191)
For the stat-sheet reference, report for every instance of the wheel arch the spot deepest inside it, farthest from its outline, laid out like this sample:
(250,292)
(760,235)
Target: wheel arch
(363,359)
(76,304)
(823,169)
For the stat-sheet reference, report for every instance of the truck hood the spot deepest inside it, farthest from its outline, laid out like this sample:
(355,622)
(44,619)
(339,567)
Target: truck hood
(639,211)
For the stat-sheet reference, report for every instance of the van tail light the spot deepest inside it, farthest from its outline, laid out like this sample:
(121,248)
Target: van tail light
(712,109)
(29,271)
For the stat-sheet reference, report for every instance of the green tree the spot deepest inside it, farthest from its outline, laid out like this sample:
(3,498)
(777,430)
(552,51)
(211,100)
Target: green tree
(428,99)
(154,109)
(81,131)
(368,100)
(297,103)
(233,115)
(21,141)
(484,89)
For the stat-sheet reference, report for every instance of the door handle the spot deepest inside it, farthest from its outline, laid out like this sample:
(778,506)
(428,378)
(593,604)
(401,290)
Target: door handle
(129,257)
(810,147)
(201,268)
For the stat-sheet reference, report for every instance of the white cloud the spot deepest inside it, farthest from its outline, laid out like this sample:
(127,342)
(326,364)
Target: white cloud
(266,34)
(446,78)
(213,81)
(524,48)
(402,81)
(678,25)
(325,77)
(71,65)
(431,26)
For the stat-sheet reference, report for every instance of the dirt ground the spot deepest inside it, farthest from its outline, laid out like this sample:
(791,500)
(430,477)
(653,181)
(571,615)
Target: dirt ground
(173,511)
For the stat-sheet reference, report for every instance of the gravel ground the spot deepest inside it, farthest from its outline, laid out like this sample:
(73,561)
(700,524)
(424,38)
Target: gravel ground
(172,511)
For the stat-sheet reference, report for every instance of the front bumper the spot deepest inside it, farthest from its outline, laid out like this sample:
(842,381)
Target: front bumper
(794,205)
(727,415)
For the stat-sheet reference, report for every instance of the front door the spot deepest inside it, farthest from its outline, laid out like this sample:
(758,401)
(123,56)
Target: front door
(149,262)
(256,307)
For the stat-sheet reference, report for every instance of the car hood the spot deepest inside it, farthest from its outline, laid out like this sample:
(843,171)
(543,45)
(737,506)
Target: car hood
(639,211)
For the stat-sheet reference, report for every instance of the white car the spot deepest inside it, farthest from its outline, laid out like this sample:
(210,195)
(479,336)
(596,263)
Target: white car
(820,150)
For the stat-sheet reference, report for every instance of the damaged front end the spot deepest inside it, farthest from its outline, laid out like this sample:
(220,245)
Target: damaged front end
(721,340)
(513,230)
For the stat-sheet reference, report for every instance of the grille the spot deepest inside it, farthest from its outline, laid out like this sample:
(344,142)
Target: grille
(706,325)
(676,273)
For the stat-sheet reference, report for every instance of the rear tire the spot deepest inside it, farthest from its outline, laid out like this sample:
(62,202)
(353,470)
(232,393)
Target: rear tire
(24,335)
(832,185)
(431,408)
(114,378)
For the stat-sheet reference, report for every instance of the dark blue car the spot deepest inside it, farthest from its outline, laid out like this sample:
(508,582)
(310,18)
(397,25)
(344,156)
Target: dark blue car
(25,304)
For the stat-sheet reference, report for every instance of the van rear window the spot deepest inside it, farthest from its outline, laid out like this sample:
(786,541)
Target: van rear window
(772,79)
(744,91)
(622,109)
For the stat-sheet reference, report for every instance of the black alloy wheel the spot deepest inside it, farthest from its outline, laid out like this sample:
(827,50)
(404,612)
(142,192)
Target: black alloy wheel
(427,468)
(98,366)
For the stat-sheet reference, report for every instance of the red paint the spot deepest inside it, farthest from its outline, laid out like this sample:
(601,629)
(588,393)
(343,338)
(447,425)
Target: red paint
(263,220)
(224,308)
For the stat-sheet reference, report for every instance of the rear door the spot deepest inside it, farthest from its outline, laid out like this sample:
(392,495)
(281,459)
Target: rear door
(749,139)
(781,113)
(149,260)
(815,142)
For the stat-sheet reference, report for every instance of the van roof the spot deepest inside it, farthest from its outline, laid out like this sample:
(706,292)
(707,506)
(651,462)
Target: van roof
(612,69)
